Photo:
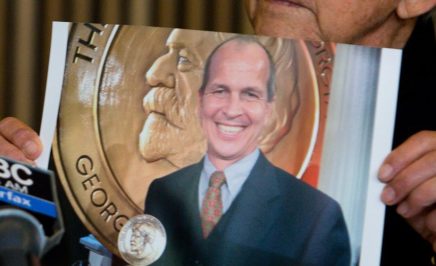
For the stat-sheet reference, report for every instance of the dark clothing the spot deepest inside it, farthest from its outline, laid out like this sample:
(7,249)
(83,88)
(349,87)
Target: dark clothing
(274,220)
(416,111)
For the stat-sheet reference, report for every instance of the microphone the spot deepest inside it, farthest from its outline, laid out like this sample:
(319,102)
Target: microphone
(30,220)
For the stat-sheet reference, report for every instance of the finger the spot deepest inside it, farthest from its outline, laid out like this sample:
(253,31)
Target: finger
(421,198)
(418,223)
(411,150)
(9,150)
(430,221)
(434,245)
(409,178)
(424,223)
(22,136)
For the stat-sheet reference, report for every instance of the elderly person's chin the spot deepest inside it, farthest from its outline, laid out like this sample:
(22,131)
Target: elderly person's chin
(160,140)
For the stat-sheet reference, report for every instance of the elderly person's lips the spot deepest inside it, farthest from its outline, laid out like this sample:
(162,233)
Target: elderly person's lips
(292,3)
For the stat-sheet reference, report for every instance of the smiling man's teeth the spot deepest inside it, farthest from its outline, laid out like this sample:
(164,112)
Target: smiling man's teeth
(230,129)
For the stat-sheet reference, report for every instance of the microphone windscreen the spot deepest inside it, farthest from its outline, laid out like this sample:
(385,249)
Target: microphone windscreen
(33,191)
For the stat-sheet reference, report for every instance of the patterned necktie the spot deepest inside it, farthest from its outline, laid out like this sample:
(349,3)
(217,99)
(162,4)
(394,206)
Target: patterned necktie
(212,208)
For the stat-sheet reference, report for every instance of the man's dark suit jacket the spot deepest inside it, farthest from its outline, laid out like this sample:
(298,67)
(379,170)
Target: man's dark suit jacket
(274,220)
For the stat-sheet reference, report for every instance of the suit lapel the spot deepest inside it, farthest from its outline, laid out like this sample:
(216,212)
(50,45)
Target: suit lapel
(252,212)
(188,184)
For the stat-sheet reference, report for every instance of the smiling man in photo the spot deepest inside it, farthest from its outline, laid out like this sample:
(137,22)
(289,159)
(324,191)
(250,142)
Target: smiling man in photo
(234,207)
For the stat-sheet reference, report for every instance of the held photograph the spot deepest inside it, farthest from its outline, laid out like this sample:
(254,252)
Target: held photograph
(249,150)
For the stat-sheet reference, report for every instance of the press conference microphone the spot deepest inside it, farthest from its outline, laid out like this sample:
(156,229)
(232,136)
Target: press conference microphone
(30,221)
(21,236)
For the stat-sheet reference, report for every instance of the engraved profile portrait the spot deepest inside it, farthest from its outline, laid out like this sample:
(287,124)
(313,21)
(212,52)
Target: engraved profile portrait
(141,237)
(142,240)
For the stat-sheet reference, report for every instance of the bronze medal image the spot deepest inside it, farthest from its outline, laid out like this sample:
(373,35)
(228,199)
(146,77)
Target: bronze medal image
(129,114)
